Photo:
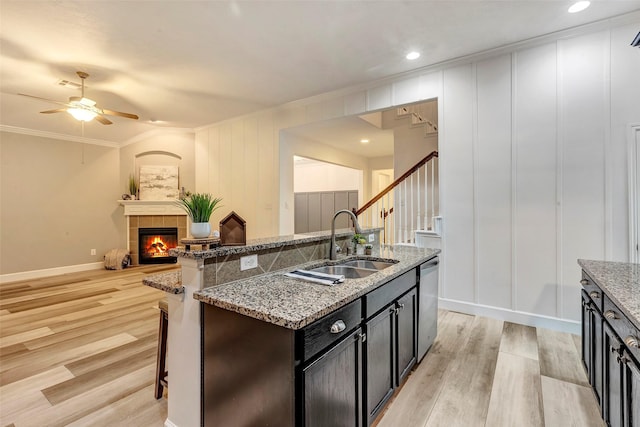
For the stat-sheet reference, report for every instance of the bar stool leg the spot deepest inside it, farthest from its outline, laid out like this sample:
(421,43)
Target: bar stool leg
(161,360)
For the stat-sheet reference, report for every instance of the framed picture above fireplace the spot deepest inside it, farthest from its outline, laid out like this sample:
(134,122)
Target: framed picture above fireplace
(158,182)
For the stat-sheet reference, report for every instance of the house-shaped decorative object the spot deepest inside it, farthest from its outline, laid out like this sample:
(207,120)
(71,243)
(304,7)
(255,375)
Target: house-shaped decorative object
(233,230)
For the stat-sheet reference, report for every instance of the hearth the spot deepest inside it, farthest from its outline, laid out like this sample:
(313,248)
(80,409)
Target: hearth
(154,245)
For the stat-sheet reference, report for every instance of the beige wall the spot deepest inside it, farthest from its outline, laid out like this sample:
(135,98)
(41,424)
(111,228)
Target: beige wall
(58,201)
(169,147)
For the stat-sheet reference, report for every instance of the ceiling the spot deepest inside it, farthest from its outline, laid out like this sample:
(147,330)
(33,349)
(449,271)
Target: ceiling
(345,134)
(191,63)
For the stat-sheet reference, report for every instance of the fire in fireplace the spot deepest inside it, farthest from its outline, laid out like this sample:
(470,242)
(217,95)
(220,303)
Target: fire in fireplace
(154,245)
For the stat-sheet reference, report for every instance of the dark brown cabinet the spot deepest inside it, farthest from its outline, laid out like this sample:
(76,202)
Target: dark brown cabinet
(592,341)
(332,385)
(632,391)
(613,375)
(340,370)
(379,356)
(406,341)
(390,351)
(610,351)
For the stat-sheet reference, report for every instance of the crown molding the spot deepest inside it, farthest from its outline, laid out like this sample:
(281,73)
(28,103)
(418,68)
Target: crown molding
(59,136)
(154,132)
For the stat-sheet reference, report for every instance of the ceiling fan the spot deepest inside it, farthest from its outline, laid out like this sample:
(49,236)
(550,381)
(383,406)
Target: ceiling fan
(83,109)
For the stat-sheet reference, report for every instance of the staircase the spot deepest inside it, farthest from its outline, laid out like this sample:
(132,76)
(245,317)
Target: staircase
(406,205)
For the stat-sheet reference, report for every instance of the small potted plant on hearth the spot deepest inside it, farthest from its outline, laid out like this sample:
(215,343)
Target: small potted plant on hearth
(199,207)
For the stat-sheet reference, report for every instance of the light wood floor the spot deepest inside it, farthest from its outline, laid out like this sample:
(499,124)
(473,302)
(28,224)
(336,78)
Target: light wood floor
(79,350)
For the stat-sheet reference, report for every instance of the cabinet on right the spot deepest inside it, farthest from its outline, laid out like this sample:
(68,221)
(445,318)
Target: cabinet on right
(611,352)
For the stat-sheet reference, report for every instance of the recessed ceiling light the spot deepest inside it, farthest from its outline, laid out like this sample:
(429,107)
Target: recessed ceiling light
(413,55)
(579,6)
(364,141)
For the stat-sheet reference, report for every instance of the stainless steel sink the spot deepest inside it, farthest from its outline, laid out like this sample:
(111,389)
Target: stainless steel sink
(347,271)
(368,264)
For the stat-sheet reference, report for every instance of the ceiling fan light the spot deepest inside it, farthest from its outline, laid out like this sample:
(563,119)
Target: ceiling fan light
(81,114)
(88,102)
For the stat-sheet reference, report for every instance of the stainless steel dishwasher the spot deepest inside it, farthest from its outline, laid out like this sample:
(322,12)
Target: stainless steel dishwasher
(428,306)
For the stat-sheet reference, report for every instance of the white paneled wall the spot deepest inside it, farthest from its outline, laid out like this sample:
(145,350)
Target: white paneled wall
(533,166)
(535,177)
(494,185)
(583,120)
(457,181)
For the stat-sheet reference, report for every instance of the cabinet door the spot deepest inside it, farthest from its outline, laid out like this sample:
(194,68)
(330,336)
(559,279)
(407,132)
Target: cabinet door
(379,361)
(586,334)
(632,392)
(612,391)
(596,353)
(406,335)
(332,386)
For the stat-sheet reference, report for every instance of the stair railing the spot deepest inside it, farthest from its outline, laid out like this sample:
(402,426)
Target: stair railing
(409,203)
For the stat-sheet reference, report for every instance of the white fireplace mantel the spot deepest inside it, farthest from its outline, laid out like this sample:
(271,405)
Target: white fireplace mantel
(151,207)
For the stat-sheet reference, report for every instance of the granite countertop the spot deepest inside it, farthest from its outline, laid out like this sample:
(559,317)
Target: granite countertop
(620,281)
(294,303)
(254,245)
(170,282)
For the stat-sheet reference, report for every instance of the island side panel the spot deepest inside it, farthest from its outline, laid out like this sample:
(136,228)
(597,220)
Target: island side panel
(248,371)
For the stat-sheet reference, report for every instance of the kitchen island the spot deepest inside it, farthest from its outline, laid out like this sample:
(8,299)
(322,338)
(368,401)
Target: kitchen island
(286,352)
(257,305)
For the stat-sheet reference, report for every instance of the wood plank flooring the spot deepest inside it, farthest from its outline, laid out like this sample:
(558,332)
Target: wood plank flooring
(79,350)
(485,372)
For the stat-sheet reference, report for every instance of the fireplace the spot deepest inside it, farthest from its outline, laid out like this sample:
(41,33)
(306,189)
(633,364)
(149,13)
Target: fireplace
(154,245)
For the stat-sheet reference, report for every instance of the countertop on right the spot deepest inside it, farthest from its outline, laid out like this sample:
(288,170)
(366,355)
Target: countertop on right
(620,281)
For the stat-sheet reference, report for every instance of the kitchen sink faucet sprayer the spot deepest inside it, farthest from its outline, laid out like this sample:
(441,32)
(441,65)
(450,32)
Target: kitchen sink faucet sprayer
(334,249)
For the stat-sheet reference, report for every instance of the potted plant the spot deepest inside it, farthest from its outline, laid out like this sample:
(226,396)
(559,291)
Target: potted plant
(367,249)
(359,241)
(199,207)
(133,187)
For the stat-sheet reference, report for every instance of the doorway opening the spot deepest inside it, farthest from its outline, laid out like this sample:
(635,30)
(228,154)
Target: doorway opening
(321,189)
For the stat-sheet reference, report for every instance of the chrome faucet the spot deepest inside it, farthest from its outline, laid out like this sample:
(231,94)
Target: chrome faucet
(334,249)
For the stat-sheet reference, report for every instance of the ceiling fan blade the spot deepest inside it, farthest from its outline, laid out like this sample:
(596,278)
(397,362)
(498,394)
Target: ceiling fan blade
(118,113)
(59,110)
(43,99)
(103,120)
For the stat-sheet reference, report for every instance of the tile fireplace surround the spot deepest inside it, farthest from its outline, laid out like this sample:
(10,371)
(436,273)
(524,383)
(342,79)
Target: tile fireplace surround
(144,214)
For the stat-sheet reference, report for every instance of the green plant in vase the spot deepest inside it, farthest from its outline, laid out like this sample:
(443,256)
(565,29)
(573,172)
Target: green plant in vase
(199,207)
(133,187)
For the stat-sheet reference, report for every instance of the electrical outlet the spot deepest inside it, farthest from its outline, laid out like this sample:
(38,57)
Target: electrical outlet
(93,251)
(372,237)
(248,262)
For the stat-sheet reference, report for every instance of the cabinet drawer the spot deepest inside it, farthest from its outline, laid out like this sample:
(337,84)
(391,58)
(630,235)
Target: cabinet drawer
(385,294)
(622,327)
(594,292)
(330,328)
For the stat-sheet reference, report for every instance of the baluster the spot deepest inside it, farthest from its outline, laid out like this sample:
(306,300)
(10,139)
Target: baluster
(411,212)
(393,220)
(406,213)
(433,192)
(398,203)
(418,201)
(426,194)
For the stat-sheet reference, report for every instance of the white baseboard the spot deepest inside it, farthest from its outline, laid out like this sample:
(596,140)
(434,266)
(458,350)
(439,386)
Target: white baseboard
(529,319)
(168,423)
(36,274)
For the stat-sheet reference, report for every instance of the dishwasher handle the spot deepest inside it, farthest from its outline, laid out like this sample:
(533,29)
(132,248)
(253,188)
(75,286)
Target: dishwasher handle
(430,264)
